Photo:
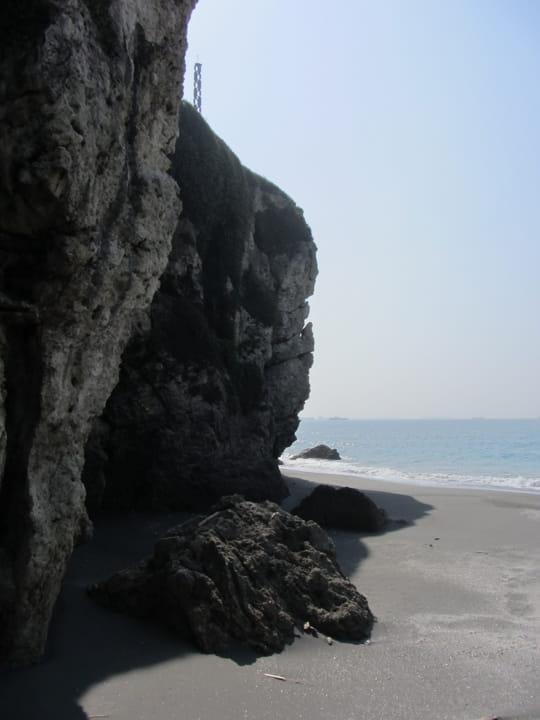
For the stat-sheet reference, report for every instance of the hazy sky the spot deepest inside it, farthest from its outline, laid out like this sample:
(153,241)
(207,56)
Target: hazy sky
(409,133)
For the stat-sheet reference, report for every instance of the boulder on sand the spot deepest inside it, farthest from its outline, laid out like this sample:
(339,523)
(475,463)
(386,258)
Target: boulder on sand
(319,452)
(248,571)
(341,507)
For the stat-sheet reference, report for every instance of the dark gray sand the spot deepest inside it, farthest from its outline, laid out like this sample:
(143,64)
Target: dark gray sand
(456,589)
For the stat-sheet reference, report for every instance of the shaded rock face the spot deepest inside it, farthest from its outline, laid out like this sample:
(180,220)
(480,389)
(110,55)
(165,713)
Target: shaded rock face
(344,507)
(319,452)
(89,95)
(211,385)
(250,572)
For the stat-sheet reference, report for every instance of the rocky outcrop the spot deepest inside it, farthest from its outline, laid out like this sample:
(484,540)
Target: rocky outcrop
(319,452)
(211,385)
(89,97)
(342,507)
(213,372)
(248,571)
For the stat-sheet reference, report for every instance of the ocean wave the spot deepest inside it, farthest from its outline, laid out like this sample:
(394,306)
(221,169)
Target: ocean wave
(385,474)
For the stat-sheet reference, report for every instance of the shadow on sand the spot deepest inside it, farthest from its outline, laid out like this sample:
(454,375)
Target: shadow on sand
(402,510)
(88,644)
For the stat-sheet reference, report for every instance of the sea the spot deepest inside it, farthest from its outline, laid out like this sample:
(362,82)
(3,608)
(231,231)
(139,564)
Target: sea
(475,453)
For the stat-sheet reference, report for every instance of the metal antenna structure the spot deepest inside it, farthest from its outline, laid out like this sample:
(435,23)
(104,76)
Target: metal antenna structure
(197,86)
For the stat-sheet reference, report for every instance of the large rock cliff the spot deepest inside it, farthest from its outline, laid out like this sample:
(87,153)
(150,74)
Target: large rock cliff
(211,385)
(214,370)
(89,94)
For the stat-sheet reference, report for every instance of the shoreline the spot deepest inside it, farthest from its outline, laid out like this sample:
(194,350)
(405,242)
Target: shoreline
(455,588)
(357,477)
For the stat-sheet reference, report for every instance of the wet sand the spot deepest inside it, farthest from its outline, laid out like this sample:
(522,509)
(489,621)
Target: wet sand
(454,583)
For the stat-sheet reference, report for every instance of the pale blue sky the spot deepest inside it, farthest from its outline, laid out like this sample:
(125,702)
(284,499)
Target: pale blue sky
(409,133)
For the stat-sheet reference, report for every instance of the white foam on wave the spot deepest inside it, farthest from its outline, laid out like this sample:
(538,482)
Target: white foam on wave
(384,474)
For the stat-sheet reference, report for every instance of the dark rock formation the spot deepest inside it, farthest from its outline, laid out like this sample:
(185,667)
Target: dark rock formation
(215,375)
(214,372)
(319,452)
(248,572)
(341,507)
(211,385)
(89,96)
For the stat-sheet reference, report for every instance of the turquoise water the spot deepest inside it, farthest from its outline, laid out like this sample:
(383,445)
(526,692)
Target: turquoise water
(503,454)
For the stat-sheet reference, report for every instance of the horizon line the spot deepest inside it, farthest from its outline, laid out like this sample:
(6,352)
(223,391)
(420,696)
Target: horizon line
(425,417)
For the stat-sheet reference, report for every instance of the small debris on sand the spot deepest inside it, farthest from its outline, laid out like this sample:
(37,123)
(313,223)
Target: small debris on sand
(275,677)
(283,679)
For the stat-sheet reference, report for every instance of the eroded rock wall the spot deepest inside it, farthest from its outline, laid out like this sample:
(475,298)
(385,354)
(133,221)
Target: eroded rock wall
(211,385)
(89,93)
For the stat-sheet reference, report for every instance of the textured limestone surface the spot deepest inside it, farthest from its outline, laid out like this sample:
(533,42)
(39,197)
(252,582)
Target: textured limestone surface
(212,383)
(248,571)
(89,93)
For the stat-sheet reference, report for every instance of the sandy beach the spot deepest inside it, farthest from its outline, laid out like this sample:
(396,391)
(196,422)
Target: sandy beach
(454,582)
